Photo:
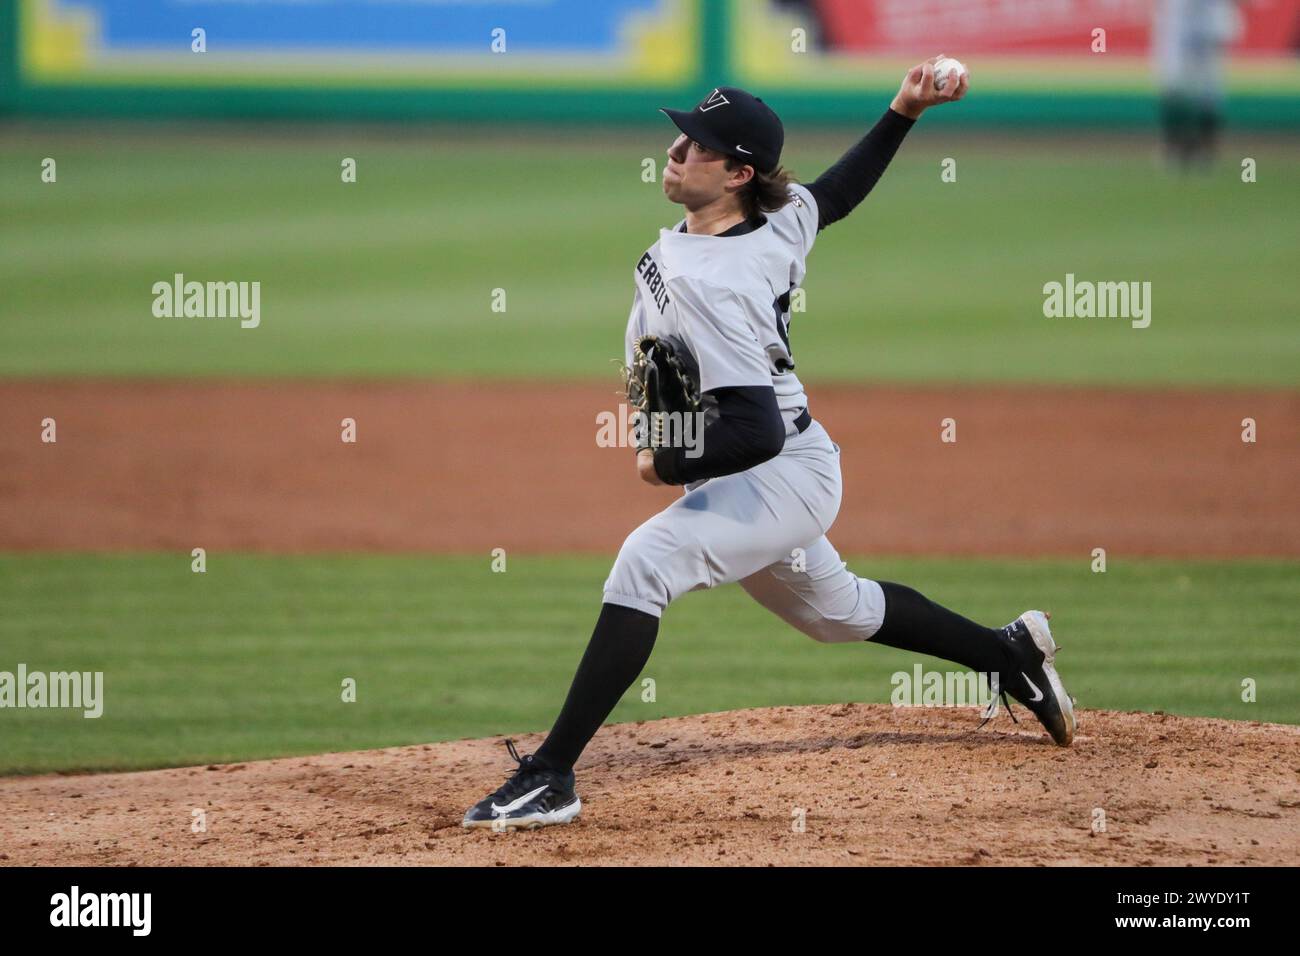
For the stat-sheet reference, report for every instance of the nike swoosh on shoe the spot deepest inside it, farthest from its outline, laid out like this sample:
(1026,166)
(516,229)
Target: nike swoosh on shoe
(515,804)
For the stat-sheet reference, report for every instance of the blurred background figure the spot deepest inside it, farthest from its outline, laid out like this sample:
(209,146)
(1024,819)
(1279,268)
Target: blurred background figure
(1189,43)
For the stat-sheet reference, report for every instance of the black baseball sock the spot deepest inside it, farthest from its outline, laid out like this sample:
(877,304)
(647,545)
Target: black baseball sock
(618,650)
(915,623)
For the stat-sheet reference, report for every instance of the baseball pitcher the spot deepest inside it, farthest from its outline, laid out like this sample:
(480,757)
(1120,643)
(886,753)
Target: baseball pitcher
(709,335)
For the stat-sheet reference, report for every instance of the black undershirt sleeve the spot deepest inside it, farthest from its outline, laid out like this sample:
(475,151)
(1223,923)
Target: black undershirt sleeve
(839,190)
(748,431)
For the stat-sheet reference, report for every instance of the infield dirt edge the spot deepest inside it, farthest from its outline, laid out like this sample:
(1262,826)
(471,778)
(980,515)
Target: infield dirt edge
(871,785)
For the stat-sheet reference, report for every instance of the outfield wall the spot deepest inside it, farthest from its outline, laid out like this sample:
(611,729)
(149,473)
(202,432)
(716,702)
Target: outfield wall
(606,60)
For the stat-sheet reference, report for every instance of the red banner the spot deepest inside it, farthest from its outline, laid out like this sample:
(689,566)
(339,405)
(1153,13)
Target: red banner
(1031,26)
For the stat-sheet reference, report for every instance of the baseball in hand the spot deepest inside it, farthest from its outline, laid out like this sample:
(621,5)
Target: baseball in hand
(945,68)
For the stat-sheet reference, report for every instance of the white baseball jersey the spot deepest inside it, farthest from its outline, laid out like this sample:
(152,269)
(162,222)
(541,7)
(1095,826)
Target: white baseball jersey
(728,299)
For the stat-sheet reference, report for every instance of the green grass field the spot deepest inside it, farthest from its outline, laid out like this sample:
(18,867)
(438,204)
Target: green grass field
(247,660)
(394,275)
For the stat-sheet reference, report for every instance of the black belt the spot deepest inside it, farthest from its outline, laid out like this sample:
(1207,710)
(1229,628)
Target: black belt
(802,421)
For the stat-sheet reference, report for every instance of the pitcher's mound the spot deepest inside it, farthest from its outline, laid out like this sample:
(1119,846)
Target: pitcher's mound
(850,784)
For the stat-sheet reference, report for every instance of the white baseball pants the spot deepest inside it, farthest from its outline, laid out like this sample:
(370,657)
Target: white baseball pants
(765,528)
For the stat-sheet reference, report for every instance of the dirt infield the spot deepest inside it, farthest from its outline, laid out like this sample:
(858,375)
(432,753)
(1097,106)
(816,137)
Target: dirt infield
(463,467)
(877,785)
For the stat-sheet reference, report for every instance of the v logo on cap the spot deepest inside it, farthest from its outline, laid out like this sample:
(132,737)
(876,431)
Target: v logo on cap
(715,99)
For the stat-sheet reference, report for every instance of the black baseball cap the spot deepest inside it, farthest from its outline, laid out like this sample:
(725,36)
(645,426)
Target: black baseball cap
(736,123)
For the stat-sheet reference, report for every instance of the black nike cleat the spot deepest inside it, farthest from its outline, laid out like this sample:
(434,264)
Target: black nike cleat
(534,796)
(1031,676)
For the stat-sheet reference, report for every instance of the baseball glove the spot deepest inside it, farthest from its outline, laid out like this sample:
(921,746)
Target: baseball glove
(662,379)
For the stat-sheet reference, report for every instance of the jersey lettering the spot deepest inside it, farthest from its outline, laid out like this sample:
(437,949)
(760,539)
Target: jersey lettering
(654,281)
(781,306)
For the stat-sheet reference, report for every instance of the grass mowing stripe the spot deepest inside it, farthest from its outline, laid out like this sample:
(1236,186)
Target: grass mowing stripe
(394,274)
(247,660)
